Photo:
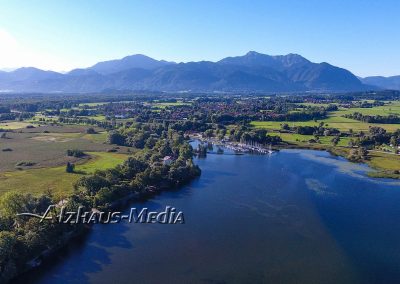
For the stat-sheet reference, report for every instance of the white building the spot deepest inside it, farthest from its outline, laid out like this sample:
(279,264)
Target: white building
(167,160)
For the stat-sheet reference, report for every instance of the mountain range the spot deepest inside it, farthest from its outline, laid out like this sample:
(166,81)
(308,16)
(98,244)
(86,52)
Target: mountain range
(392,83)
(252,72)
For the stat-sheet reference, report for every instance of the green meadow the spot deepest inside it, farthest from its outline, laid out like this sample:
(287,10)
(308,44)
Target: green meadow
(334,120)
(13,125)
(56,179)
(34,159)
(299,139)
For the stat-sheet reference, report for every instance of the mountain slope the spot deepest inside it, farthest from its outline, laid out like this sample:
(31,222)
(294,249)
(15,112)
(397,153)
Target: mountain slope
(299,70)
(392,83)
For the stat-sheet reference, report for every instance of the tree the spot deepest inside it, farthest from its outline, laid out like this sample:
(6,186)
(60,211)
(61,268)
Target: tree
(75,153)
(150,143)
(358,155)
(335,140)
(209,133)
(393,141)
(12,203)
(105,195)
(285,126)
(70,168)
(8,269)
(116,138)
(186,151)
(90,185)
(131,167)
(90,130)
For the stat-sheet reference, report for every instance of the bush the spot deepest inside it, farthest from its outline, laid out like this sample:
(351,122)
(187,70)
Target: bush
(91,131)
(70,168)
(358,155)
(25,164)
(75,153)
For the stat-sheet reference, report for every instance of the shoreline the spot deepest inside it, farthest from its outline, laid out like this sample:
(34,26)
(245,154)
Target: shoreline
(376,172)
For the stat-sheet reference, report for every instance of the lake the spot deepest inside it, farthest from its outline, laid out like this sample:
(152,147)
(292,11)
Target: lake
(297,216)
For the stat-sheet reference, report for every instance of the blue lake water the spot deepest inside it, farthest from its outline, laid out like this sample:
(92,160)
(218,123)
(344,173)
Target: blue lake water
(296,216)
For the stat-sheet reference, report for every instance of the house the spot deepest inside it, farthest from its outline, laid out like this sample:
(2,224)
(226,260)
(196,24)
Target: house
(167,160)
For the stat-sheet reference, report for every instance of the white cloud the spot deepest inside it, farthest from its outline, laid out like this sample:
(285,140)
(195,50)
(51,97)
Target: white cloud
(14,54)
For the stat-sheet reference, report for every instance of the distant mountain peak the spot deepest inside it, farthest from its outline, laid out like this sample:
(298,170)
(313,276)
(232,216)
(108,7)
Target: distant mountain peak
(128,62)
(253,58)
(253,53)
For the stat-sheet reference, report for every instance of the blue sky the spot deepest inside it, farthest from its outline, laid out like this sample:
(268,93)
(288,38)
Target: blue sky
(362,36)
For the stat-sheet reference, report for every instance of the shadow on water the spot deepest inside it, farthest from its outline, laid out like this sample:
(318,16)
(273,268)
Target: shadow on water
(88,252)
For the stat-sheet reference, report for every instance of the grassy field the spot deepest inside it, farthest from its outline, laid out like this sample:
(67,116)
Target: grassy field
(99,137)
(56,179)
(314,104)
(298,139)
(46,146)
(387,109)
(336,119)
(385,163)
(92,104)
(13,125)
(333,121)
(384,160)
(95,117)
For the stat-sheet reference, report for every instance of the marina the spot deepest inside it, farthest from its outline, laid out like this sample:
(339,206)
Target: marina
(237,147)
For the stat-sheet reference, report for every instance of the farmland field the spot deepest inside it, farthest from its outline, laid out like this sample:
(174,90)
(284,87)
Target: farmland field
(95,117)
(92,104)
(35,159)
(388,109)
(46,146)
(13,125)
(301,139)
(334,120)
(56,179)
